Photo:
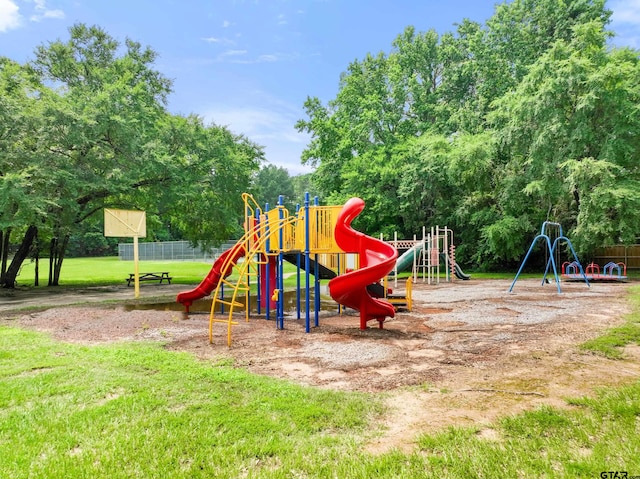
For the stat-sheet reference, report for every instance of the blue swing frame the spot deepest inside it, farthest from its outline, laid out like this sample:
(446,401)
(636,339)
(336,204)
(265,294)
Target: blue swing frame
(551,248)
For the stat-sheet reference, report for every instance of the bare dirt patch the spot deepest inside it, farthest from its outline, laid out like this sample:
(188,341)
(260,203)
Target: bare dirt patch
(469,352)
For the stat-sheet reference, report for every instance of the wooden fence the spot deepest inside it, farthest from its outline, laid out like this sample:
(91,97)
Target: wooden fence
(629,255)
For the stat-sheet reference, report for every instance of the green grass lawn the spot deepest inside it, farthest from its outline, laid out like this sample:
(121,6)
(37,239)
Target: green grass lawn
(112,270)
(138,410)
(610,343)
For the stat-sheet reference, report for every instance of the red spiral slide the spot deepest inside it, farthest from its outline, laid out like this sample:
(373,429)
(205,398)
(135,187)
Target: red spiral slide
(208,284)
(377,259)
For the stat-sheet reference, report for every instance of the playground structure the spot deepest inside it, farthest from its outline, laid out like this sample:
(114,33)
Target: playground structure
(610,272)
(400,300)
(427,254)
(318,240)
(547,230)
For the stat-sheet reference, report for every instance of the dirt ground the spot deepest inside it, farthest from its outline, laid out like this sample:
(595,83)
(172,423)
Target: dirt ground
(467,353)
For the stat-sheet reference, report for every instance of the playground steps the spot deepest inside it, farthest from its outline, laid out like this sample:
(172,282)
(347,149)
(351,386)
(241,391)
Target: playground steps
(403,300)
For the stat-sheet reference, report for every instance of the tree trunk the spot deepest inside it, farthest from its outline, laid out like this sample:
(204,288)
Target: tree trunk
(56,258)
(36,258)
(9,279)
(3,264)
(52,258)
(4,251)
(61,253)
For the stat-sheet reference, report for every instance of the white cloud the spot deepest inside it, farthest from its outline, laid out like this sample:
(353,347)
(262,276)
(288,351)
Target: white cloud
(268,58)
(238,57)
(42,12)
(232,53)
(257,122)
(226,24)
(241,57)
(57,14)
(222,41)
(272,126)
(10,17)
(281,19)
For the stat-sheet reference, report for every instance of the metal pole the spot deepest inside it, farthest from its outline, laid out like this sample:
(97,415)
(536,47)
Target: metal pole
(416,260)
(317,273)
(307,264)
(280,269)
(395,268)
(437,258)
(445,247)
(136,269)
(533,243)
(424,243)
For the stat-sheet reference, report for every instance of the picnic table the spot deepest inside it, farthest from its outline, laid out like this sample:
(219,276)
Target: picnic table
(163,276)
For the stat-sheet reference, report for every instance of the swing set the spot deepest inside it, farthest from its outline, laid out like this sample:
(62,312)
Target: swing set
(552,229)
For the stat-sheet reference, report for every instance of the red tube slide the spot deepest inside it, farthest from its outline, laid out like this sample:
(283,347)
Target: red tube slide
(377,259)
(209,283)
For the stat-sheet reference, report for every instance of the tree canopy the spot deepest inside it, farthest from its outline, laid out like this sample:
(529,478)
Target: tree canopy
(85,126)
(490,129)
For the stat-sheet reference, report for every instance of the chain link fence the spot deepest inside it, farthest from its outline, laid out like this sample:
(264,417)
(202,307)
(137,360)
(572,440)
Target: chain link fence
(170,251)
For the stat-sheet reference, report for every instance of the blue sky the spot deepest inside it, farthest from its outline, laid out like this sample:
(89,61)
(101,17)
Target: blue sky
(250,64)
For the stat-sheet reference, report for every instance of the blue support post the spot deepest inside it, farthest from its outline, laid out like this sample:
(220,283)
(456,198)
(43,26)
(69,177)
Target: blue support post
(552,260)
(306,262)
(317,276)
(533,243)
(279,267)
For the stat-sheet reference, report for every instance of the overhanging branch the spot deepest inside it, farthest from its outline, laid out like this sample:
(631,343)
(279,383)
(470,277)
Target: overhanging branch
(101,194)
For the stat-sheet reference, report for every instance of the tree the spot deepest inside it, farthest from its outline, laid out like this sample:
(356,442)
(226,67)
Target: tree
(210,169)
(302,184)
(22,193)
(478,129)
(101,137)
(99,117)
(571,128)
(269,183)
(383,100)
